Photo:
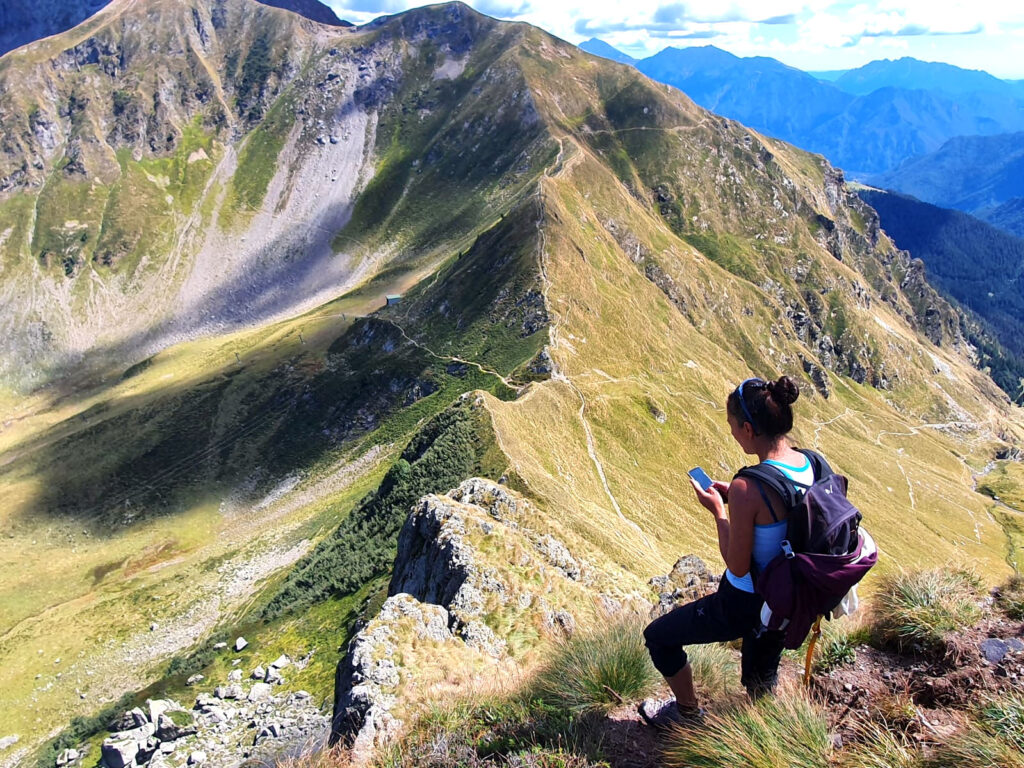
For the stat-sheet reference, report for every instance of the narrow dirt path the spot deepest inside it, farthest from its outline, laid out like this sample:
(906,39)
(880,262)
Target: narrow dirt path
(482,368)
(560,168)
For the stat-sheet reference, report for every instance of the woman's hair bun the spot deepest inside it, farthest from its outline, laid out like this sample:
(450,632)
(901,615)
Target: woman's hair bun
(784,391)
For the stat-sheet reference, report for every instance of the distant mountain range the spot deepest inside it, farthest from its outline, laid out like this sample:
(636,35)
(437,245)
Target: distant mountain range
(913,74)
(868,121)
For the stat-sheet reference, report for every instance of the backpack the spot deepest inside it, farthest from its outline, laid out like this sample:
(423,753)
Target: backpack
(823,557)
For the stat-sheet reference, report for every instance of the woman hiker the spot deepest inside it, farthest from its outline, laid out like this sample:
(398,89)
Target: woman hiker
(760,415)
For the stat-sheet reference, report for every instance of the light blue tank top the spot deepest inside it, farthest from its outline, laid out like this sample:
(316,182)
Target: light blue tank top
(768,538)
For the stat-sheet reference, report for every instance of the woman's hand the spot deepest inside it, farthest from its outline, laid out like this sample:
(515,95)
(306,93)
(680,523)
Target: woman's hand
(711,499)
(723,489)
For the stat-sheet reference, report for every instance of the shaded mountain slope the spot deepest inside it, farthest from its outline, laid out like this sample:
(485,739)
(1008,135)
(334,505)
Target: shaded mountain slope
(23,21)
(977,174)
(975,263)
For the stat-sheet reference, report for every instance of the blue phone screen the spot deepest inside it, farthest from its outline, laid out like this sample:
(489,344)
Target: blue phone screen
(701,477)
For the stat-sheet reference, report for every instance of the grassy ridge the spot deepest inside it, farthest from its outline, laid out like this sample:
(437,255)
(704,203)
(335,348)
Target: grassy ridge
(455,445)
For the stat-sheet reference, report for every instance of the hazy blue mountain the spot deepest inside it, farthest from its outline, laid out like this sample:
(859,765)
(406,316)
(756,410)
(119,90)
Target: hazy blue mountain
(22,21)
(914,74)
(760,92)
(311,9)
(978,265)
(978,174)
(882,129)
(829,75)
(600,48)
(864,134)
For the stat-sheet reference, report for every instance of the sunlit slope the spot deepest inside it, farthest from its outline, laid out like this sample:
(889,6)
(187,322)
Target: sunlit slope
(657,315)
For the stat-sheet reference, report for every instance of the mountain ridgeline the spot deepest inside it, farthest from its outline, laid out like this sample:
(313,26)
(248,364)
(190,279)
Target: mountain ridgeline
(213,417)
(25,21)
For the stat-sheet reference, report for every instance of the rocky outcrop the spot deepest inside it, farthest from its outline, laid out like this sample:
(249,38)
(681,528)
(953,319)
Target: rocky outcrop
(688,580)
(463,559)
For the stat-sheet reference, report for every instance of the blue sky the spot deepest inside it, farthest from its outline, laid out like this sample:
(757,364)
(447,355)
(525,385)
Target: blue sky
(813,34)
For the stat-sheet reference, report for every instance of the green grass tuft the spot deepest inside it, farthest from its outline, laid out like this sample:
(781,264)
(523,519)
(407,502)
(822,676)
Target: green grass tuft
(914,611)
(837,646)
(974,748)
(787,731)
(879,746)
(596,671)
(715,670)
(1004,719)
(1011,597)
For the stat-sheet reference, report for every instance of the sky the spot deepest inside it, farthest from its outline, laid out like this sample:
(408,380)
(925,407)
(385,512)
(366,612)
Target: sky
(809,34)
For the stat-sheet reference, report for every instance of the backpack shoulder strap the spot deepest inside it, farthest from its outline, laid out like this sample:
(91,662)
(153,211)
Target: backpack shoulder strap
(818,463)
(767,475)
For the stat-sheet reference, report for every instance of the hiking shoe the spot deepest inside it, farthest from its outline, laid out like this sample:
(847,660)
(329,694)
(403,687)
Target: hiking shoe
(663,714)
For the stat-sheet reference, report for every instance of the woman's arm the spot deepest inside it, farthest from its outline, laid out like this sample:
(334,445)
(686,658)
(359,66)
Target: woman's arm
(735,529)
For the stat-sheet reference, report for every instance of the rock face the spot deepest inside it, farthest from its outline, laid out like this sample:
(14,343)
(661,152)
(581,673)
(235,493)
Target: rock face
(689,580)
(442,591)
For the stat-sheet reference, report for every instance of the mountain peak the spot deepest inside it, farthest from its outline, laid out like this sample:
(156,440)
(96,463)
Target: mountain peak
(914,74)
(600,48)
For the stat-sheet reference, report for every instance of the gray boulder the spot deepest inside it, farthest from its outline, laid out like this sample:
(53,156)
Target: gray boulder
(119,754)
(175,725)
(233,691)
(241,643)
(259,691)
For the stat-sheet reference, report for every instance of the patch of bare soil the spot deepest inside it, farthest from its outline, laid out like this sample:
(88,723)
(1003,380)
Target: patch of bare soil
(926,697)
(629,742)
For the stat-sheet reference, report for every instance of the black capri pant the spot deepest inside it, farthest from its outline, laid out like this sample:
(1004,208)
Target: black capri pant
(728,614)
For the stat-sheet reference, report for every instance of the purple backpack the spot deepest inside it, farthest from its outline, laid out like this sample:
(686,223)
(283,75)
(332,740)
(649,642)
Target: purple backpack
(824,555)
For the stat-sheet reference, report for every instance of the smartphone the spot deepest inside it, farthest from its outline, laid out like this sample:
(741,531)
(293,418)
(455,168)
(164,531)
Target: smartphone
(701,477)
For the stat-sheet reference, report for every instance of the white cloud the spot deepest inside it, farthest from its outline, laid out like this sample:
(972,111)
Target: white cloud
(813,34)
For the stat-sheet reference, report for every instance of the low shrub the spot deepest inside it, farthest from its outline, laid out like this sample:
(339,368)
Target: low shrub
(495,731)
(837,646)
(784,731)
(597,670)
(1010,597)
(914,611)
